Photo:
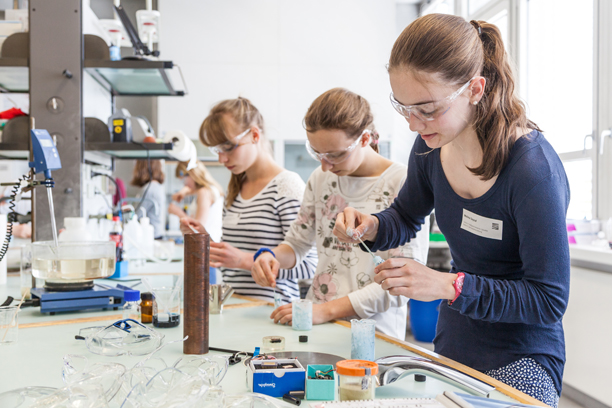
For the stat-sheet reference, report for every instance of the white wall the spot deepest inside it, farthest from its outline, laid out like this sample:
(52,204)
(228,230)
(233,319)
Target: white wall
(588,330)
(281,55)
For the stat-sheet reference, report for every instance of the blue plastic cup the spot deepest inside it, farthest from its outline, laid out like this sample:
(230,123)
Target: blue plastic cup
(423,319)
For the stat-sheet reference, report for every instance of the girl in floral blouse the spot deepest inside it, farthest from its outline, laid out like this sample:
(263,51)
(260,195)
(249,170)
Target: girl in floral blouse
(341,135)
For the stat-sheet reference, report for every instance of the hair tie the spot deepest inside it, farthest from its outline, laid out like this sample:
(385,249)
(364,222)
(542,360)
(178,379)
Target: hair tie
(476,25)
(374,142)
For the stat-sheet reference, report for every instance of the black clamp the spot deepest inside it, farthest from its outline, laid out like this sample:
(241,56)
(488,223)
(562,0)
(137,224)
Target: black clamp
(237,357)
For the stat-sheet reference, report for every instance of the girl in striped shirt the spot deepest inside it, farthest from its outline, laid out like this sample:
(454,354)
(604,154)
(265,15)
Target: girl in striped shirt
(262,201)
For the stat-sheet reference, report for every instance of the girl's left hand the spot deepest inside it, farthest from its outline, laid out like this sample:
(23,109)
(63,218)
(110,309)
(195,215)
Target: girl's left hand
(282,315)
(407,277)
(227,256)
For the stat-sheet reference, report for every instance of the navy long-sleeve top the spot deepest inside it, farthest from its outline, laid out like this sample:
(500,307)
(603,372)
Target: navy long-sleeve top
(512,245)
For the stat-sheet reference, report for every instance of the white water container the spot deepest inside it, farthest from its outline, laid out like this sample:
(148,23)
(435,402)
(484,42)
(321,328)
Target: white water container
(132,234)
(75,230)
(148,236)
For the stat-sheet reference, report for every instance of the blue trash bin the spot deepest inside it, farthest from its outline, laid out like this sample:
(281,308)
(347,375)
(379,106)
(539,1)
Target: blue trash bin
(423,319)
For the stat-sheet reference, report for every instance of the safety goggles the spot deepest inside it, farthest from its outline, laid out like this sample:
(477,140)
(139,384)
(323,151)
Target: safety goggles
(334,157)
(228,147)
(428,111)
(122,337)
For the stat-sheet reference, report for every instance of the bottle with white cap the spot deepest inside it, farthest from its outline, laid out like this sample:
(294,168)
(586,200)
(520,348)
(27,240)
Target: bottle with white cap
(131,307)
(75,230)
(148,236)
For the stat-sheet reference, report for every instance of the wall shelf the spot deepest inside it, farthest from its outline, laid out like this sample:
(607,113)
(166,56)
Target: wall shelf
(128,151)
(121,78)
(14,151)
(135,77)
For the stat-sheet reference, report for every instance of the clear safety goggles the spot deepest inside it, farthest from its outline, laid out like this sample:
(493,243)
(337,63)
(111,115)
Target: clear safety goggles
(428,111)
(122,337)
(335,157)
(229,146)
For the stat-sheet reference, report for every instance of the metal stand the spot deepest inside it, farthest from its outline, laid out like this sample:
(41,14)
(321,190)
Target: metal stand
(56,94)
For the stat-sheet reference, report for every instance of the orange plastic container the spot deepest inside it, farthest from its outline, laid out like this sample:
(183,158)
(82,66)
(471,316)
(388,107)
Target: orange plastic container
(356,379)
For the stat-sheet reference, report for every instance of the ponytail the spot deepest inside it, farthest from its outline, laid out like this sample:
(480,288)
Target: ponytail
(500,112)
(374,138)
(458,50)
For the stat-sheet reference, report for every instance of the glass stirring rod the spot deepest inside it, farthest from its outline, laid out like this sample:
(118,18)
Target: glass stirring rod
(377,259)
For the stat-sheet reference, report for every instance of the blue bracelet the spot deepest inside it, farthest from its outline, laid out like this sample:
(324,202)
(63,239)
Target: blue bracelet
(261,251)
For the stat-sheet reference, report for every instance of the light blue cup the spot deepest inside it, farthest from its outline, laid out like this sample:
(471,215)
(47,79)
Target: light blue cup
(301,310)
(362,339)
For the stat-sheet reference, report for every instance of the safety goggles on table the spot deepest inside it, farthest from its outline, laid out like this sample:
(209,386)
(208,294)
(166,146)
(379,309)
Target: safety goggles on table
(126,336)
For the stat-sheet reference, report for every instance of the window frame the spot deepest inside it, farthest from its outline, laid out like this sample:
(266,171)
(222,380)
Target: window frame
(600,152)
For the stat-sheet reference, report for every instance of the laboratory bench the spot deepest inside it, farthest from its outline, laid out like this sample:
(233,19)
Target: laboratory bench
(36,358)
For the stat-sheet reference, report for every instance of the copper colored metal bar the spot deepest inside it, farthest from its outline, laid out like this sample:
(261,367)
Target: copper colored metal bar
(196,282)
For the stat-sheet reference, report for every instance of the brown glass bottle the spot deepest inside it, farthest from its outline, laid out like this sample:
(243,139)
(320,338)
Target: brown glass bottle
(146,307)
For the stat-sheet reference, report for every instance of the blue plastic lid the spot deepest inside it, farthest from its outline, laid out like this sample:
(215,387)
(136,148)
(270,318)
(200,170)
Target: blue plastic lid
(131,295)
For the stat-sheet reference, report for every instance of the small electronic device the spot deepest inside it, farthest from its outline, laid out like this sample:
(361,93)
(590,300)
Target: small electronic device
(276,377)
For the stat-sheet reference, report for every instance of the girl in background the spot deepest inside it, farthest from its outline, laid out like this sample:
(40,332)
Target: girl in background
(207,207)
(341,135)
(151,180)
(262,201)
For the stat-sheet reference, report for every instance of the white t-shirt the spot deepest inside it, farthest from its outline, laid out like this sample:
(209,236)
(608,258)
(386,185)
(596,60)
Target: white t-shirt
(344,269)
(214,222)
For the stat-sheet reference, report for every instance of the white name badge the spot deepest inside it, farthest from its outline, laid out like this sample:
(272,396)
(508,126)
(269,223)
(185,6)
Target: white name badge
(482,226)
(231,218)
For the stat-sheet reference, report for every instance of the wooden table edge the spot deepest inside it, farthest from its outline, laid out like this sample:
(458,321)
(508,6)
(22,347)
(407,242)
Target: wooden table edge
(499,386)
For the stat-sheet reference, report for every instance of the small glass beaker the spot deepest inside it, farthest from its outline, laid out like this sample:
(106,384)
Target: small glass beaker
(362,339)
(356,380)
(25,271)
(9,324)
(166,307)
(301,310)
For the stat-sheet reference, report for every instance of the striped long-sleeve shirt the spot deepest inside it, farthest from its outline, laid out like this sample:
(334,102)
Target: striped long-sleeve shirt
(262,221)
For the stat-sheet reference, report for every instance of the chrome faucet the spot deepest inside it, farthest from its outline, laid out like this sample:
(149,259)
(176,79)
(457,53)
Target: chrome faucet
(392,368)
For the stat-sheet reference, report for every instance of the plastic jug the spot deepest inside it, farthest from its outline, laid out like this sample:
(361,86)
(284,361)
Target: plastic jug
(132,239)
(75,230)
(148,236)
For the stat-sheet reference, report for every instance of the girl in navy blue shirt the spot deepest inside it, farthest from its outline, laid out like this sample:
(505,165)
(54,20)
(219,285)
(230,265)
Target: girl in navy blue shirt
(500,194)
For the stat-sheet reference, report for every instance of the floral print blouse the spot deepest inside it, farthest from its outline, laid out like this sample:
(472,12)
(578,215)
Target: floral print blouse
(344,269)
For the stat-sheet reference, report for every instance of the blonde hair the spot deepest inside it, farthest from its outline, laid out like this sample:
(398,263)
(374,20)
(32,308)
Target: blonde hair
(213,132)
(343,110)
(200,176)
(459,50)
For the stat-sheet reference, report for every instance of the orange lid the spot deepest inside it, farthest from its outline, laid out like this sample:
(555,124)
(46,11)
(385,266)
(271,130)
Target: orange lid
(356,368)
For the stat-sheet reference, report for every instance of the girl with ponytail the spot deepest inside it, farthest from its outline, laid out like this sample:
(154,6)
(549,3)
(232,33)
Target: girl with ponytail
(500,194)
(261,202)
(341,135)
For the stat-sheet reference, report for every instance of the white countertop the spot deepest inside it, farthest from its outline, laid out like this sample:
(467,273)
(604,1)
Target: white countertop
(36,359)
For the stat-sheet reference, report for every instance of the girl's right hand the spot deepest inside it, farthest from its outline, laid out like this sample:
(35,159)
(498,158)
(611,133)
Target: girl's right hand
(178,197)
(186,222)
(364,226)
(265,270)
